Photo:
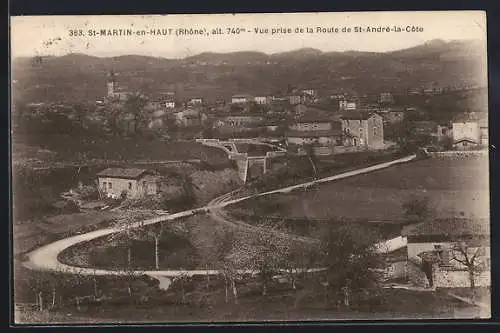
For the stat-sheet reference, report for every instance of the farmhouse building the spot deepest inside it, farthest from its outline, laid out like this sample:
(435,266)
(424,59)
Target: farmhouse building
(436,250)
(363,129)
(129,182)
(315,127)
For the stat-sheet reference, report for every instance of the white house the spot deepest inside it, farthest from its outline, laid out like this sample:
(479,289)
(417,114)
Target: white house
(170,105)
(261,100)
(345,105)
(241,99)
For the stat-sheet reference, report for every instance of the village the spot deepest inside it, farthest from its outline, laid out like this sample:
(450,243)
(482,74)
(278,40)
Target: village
(308,202)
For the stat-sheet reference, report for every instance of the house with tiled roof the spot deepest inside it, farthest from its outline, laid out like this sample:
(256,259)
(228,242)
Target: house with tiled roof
(314,126)
(363,130)
(438,248)
(127,182)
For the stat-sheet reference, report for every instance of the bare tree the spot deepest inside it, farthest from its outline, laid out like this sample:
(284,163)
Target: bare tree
(156,234)
(474,260)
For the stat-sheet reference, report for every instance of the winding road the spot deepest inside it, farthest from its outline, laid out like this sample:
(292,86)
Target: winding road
(45,258)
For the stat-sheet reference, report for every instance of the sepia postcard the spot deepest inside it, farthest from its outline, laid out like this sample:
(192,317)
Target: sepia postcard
(250,167)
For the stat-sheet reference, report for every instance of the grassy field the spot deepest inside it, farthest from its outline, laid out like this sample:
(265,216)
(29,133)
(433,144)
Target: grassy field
(453,186)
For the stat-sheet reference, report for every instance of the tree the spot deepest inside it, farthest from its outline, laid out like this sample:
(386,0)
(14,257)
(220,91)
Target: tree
(134,105)
(417,209)
(113,116)
(311,156)
(351,260)
(473,258)
(298,260)
(156,235)
(215,248)
(267,254)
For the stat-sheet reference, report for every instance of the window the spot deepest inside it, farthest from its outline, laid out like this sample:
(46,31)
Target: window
(110,185)
(144,183)
(103,184)
(130,185)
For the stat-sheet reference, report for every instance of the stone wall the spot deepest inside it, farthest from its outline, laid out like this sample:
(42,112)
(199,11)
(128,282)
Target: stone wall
(452,278)
(459,154)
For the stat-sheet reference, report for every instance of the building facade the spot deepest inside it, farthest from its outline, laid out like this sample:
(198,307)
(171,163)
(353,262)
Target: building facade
(127,182)
(346,105)
(262,100)
(364,130)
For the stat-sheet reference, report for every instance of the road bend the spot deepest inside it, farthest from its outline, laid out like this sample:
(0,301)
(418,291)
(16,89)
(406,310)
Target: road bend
(46,258)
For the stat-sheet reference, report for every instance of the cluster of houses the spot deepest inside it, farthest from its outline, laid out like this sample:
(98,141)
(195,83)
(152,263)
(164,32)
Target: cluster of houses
(296,118)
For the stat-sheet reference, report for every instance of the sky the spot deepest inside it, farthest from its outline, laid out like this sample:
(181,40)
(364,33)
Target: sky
(50,35)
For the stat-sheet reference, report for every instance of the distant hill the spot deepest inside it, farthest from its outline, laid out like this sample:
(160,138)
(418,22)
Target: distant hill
(220,75)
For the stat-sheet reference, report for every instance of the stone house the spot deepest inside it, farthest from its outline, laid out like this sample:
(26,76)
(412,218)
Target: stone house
(433,251)
(314,126)
(131,182)
(363,129)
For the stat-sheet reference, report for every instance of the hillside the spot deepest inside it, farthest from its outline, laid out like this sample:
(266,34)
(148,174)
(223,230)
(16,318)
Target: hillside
(217,75)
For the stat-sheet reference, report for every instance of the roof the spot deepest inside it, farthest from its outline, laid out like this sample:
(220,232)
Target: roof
(449,227)
(355,115)
(126,173)
(465,139)
(313,134)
